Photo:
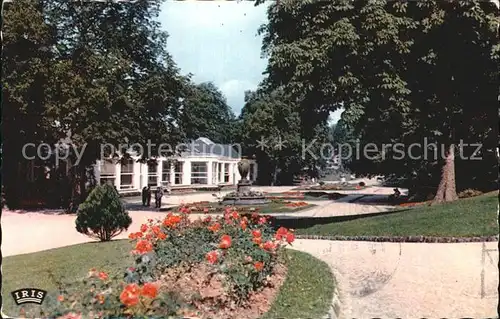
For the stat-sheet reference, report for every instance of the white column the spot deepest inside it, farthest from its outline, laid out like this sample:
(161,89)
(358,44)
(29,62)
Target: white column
(172,173)
(97,172)
(118,171)
(210,173)
(237,173)
(136,179)
(144,171)
(186,172)
(254,170)
(159,168)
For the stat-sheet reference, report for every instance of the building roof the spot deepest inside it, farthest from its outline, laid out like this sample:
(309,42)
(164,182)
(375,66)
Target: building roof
(205,147)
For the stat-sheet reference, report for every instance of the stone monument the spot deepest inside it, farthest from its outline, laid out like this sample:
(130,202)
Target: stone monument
(244,195)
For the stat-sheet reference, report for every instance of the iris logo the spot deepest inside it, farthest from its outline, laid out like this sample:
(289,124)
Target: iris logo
(29,295)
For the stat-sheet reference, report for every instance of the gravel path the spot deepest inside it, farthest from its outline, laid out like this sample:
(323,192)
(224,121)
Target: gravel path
(407,280)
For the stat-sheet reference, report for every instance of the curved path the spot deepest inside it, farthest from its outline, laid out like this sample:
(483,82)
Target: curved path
(409,280)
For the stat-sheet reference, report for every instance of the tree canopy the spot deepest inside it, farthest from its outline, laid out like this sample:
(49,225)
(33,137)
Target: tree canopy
(402,71)
(207,114)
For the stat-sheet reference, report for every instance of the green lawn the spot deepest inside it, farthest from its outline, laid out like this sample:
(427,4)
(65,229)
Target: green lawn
(468,217)
(307,291)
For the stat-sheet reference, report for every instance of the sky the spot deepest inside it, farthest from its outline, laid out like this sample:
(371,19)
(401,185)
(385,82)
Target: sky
(218,42)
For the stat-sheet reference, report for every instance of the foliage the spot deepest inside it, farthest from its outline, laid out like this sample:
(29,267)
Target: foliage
(386,64)
(102,215)
(269,118)
(206,114)
(81,64)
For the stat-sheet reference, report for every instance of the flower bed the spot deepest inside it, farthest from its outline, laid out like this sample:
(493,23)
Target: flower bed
(277,205)
(333,187)
(225,267)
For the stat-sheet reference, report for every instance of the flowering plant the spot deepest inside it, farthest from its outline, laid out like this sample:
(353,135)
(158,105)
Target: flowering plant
(232,255)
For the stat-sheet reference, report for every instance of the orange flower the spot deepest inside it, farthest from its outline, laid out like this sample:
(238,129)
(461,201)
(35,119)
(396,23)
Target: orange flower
(100,298)
(290,238)
(281,232)
(243,225)
(256,233)
(172,220)
(235,215)
(130,295)
(162,236)
(257,240)
(60,298)
(144,228)
(143,246)
(212,256)
(225,242)
(259,266)
(135,235)
(103,275)
(215,227)
(150,290)
(156,230)
(269,246)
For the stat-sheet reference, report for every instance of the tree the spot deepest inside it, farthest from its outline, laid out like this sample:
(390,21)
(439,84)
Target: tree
(272,131)
(206,114)
(102,215)
(90,74)
(386,64)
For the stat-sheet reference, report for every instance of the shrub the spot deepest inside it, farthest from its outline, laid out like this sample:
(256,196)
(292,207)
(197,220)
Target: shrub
(469,193)
(102,215)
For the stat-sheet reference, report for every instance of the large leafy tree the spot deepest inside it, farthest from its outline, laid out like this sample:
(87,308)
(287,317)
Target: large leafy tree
(271,130)
(398,69)
(207,114)
(104,77)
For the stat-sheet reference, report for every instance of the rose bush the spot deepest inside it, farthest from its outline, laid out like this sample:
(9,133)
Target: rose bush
(238,251)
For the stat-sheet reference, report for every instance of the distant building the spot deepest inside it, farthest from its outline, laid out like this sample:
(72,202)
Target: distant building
(204,164)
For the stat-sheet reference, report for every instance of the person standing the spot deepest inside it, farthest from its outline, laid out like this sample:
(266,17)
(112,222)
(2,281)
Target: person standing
(148,196)
(158,196)
(144,195)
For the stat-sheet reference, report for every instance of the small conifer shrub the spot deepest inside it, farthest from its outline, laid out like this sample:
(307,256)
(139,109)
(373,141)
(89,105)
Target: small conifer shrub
(102,215)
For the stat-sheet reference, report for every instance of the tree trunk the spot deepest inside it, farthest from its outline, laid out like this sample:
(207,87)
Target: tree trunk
(447,191)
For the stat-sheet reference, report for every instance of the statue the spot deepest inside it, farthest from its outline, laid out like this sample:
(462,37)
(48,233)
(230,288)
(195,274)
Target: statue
(243,168)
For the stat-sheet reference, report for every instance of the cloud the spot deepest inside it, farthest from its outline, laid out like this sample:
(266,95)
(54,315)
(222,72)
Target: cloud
(234,91)
(217,42)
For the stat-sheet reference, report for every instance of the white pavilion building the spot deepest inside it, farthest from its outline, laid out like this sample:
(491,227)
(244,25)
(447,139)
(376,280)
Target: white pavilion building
(204,164)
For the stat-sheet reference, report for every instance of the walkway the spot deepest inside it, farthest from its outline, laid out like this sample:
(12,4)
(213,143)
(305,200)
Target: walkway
(408,280)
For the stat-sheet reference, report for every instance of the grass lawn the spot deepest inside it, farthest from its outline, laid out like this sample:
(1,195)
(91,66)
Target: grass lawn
(307,291)
(468,217)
